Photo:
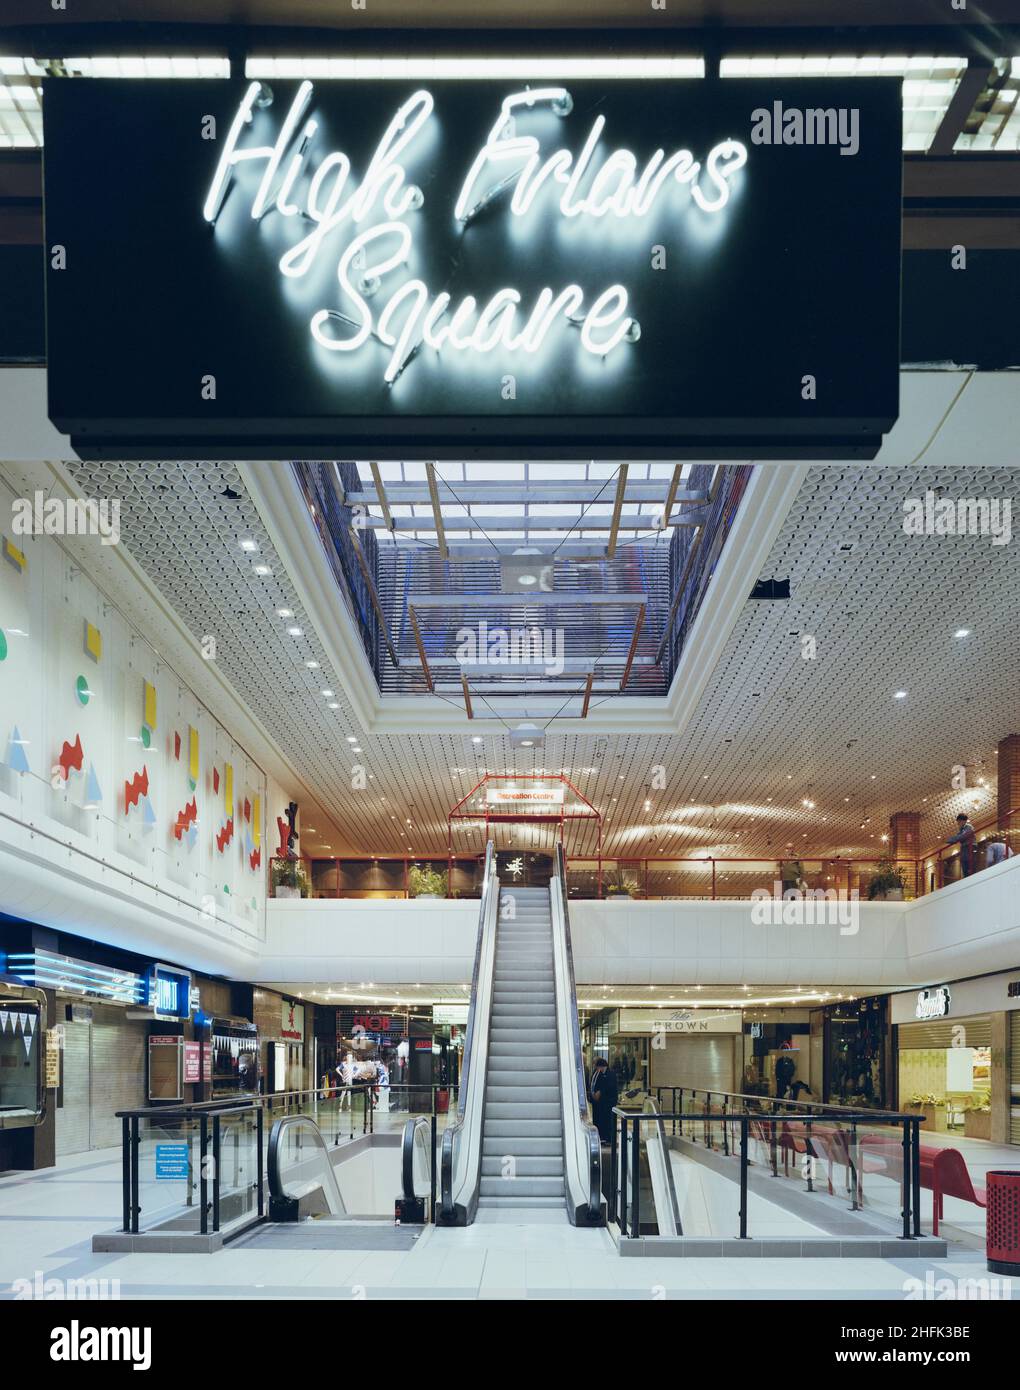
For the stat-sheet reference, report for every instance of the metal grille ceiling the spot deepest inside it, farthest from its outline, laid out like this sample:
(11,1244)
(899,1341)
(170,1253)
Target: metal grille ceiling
(930,82)
(772,730)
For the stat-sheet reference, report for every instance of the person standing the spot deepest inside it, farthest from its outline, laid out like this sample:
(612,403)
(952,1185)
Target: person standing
(964,837)
(605,1093)
(996,850)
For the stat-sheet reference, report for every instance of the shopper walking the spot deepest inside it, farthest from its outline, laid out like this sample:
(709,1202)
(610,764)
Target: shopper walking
(964,837)
(605,1093)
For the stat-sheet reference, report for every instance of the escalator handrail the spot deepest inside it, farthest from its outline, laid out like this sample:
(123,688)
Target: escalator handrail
(594,1202)
(651,1108)
(407,1143)
(276,1187)
(453,1130)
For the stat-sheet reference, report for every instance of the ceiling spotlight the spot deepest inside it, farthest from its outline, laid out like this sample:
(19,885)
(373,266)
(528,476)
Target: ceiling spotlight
(262,569)
(312,665)
(350,739)
(294,632)
(285,612)
(249,545)
(900,695)
(962,632)
(333,704)
(326,694)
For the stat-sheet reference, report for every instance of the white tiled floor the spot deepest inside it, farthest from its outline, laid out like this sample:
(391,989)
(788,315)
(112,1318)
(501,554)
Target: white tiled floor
(47,1220)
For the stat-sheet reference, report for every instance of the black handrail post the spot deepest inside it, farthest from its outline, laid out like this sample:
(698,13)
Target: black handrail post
(916,1173)
(773,1149)
(624,1160)
(432,1181)
(125,1174)
(259,1160)
(706,1131)
(809,1154)
(725,1130)
(905,1182)
(853,1158)
(744,1121)
(216,1174)
(203,1141)
(136,1194)
(635,1179)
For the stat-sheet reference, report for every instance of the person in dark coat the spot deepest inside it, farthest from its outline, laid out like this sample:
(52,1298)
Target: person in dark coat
(605,1093)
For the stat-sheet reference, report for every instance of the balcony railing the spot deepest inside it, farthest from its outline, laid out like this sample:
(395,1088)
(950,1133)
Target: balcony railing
(652,878)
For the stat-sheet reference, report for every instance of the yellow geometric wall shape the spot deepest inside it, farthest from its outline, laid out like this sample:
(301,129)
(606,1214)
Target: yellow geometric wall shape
(256,815)
(149,705)
(228,788)
(15,556)
(93,642)
(193,756)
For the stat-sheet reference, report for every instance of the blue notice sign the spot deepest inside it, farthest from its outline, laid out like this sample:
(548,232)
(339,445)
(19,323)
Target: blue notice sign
(171,1162)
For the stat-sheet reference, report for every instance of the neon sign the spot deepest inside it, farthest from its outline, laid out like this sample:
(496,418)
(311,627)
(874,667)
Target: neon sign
(592,185)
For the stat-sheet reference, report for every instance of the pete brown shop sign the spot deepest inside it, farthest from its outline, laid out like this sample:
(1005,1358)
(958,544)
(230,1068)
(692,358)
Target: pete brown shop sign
(468,262)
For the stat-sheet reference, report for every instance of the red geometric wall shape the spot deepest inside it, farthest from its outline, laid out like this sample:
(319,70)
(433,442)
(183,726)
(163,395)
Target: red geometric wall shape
(185,818)
(224,836)
(215,779)
(71,756)
(138,786)
(177,747)
(255,858)
(284,828)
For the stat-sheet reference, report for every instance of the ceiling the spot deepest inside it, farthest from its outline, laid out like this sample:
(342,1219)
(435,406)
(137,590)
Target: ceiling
(770,732)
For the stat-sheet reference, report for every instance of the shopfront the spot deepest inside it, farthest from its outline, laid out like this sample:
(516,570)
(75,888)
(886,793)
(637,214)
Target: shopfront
(855,1048)
(692,1047)
(958,1056)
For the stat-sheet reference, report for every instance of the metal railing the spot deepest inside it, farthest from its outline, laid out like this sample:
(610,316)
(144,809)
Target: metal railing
(669,877)
(418,1173)
(840,1137)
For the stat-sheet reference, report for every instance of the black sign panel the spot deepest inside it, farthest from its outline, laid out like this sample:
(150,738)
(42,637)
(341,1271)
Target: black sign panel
(599,268)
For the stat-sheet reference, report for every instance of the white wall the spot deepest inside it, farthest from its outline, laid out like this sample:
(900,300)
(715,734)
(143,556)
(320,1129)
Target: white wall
(966,929)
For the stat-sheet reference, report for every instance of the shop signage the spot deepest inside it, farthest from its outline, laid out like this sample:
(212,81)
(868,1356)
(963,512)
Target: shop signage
(488,266)
(447,1015)
(681,1021)
(169,992)
(529,796)
(171,1162)
(372,1023)
(292,1023)
(192,1063)
(933,1003)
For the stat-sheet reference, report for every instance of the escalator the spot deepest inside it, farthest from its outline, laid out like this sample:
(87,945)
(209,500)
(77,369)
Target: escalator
(300,1171)
(521,1141)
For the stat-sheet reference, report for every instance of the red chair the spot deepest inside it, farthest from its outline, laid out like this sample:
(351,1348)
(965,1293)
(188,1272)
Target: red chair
(950,1178)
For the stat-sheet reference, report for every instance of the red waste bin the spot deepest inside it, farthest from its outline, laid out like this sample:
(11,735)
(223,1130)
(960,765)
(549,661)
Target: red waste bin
(1003,1222)
(442,1102)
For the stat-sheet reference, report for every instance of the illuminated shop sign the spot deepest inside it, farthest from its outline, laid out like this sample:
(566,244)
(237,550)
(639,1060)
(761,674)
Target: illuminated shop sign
(169,992)
(933,1003)
(47,970)
(475,265)
(513,796)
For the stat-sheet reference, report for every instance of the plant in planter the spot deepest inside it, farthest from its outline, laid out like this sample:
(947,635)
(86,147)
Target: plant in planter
(619,884)
(887,883)
(289,879)
(426,882)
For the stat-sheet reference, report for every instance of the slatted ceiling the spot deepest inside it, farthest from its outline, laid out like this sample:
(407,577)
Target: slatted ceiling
(883,614)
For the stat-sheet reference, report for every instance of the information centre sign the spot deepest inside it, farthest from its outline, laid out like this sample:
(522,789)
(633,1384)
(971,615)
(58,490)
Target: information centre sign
(612,267)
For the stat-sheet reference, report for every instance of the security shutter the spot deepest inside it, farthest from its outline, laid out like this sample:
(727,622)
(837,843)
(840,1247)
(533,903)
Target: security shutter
(118,1071)
(1014,1077)
(706,1063)
(73,1114)
(939,1032)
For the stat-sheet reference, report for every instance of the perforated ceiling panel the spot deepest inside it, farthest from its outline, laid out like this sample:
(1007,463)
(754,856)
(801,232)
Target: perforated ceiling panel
(773,730)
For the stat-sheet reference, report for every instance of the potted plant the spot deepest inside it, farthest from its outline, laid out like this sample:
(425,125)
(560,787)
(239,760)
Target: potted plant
(426,882)
(887,883)
(288,879)
(977,1116)
(927,1104)
(620,885)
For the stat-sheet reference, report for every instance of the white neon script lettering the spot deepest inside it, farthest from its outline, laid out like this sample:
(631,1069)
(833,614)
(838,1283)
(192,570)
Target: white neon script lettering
(408,320)
(616,188)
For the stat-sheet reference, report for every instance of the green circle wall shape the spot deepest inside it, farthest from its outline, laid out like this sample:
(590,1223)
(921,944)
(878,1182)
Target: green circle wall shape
(82,690)
(146,736)
(3,646)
